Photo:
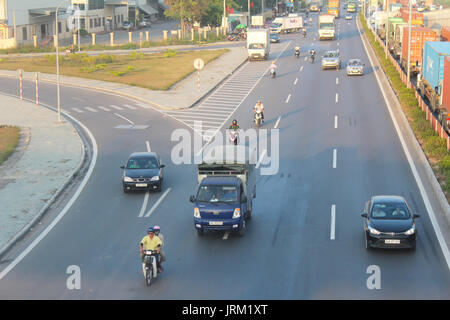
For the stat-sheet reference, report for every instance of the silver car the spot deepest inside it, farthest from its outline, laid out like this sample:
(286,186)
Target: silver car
(355,67)
(331,59)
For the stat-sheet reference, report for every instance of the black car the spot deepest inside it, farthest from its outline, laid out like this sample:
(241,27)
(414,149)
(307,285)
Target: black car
(275,37)
(389,223)
(142,172)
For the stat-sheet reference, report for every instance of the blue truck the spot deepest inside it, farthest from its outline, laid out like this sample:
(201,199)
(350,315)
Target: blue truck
(430,83)
(226,179)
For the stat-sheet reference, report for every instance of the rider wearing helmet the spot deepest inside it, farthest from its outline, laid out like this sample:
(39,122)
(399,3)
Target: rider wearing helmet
(151,242)
(161,237)
(259,108)
(234,125)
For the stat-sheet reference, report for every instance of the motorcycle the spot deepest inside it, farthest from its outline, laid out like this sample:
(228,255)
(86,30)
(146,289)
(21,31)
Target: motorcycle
(233,135)
(258,119)
(150,266)
(233,37)
(297,53)
(272,73)
(304,33)
(311,57)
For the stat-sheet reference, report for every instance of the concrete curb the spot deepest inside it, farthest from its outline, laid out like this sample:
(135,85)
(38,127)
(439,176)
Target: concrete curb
(120,93)
(430,176)
(52,200)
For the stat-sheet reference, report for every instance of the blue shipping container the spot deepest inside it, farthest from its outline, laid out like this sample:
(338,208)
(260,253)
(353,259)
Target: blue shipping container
(433,62)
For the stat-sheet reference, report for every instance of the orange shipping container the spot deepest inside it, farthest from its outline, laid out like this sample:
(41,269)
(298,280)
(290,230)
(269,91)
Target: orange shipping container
(445,34)
(333,3)
(419,35)
(416,17)
(446,86)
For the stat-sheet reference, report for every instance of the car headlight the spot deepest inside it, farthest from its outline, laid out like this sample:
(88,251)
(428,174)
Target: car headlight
(374,231)
(127,179)
(237,213)
(410,231)
(197,213)
(155,178)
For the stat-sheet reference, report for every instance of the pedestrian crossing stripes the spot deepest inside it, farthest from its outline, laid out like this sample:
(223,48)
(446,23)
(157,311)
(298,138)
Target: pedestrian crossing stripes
(109,108)
(218,107)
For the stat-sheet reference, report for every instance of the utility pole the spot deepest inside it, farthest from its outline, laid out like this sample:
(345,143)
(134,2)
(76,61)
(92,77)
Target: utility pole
(387,30)
(249,15)
(409,46)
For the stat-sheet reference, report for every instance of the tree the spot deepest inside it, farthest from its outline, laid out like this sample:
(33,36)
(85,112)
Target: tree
(187,11)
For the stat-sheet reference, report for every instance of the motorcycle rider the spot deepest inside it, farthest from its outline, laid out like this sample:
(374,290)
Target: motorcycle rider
(273,67)
(304,32)
(161,237)
(297,50)
(312,52)
(259,108)
(234,125)
(151,242)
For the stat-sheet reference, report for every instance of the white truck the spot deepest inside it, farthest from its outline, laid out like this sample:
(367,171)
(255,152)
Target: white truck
(258,44)
(287,24)
(326,27)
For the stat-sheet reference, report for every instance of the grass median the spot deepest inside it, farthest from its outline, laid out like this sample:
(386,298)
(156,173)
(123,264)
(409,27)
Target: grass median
(9,138)
(155,71)
(434,147)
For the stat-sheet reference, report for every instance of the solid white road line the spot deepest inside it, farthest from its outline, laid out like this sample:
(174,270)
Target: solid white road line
(103,108)
(295,82)
(426,200)
(66,208)
(147,143)
(124,118)
(335,122)
(288,98)
(158,202)
(144,204)
(277,123)
(334,158)
(333,222)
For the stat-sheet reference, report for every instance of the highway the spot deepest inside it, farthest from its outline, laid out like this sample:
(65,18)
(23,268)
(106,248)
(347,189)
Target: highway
(337,147)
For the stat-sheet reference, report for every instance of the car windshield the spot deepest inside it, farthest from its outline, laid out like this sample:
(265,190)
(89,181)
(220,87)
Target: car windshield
(330,55)
(142,163)
(354,63)
(216,193)
(256,46)
(390,211)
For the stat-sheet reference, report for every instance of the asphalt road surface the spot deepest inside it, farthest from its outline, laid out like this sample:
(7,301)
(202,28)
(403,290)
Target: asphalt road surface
(337,147)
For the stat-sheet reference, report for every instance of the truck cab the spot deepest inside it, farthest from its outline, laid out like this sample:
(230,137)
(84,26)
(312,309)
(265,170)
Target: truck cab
(225,192)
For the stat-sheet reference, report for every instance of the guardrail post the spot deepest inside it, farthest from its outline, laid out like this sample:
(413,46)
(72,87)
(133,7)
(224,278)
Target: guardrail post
(130,37)
(165,35)
(93,39)
(111,39)
(35,41)
(147,36)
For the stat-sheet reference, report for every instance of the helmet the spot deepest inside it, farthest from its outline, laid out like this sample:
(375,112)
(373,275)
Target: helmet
(150,229)
(156,228)
(234,121)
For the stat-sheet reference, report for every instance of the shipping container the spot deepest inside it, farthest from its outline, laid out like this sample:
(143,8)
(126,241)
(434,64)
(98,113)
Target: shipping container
(445,33)
(446,90)
(393,23)
(419,35)
(416,17)
(433,62)
(430,86)
(398,40)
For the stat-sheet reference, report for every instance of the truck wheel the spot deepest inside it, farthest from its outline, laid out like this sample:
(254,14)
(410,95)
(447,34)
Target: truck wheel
(242,229)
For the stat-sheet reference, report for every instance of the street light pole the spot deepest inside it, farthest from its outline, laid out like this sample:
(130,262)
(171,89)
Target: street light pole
(57,62)
(386,36)
(409,46)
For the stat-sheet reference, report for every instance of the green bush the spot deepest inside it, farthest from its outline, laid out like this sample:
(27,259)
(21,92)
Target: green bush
(105,58)
(436,146)
(169,53)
